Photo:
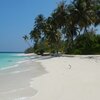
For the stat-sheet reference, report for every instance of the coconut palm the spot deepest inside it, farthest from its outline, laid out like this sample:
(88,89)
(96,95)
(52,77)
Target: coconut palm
(51,34)
(37,31)
(37,34)
(84,12)
(65,23)
(97,10)
(59,15)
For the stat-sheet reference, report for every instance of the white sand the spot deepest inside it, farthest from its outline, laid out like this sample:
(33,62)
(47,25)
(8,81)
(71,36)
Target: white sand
(60,78)
(15,81)
(69,78)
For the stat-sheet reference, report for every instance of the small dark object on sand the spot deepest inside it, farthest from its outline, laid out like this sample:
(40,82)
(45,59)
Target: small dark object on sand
(70,66)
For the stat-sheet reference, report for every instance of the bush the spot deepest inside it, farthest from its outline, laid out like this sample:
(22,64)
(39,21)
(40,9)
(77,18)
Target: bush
(87,43)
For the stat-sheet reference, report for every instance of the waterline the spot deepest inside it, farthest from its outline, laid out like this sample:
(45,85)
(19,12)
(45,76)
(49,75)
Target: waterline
(9,60)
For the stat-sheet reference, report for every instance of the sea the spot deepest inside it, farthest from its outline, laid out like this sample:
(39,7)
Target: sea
(8,60)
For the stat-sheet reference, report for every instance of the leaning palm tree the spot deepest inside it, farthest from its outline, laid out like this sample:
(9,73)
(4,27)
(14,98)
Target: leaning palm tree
(65,21)
(37,34)
(52,34)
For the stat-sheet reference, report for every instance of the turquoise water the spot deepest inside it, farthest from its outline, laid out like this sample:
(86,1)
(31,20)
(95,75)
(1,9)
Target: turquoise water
(10,59)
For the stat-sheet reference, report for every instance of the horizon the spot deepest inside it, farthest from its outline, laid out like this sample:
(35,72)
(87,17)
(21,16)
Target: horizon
(11,52)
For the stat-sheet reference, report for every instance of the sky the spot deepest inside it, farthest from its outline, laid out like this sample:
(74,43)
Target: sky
(17,19)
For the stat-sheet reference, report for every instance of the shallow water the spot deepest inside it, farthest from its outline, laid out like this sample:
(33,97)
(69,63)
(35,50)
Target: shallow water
(10,59)
(15,82)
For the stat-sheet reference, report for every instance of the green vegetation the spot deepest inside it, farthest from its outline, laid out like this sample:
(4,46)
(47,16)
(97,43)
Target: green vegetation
(69,29)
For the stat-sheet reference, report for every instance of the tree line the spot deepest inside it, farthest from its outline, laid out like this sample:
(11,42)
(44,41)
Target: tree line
(70,29)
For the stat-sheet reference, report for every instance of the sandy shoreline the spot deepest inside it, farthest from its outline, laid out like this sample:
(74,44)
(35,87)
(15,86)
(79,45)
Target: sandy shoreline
(61,78)
(15,82)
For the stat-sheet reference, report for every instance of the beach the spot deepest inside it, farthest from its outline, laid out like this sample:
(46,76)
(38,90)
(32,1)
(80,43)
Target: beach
(67,77)
(15,81)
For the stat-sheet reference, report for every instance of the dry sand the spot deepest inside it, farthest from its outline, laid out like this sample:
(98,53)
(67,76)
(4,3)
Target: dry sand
(69,78)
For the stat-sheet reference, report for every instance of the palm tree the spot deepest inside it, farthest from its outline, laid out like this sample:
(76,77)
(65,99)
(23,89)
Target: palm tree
(59,15)
(52,34)
(37,34)
(84,12)
(97,10)
(65,23)
(38,28)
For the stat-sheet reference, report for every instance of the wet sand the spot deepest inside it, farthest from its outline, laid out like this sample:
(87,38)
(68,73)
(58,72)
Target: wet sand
(15,82)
